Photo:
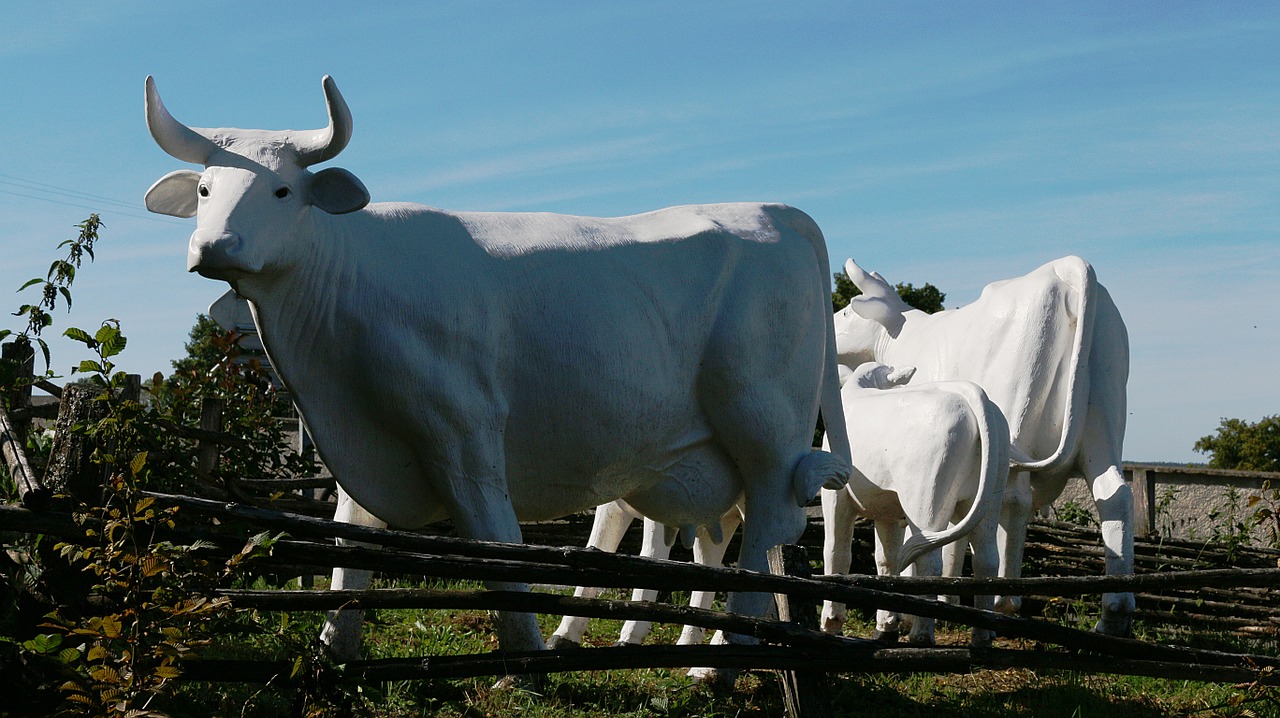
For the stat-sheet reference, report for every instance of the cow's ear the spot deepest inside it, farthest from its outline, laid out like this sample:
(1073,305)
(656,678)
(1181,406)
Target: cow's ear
(174,194)
(337,191)
(879,311)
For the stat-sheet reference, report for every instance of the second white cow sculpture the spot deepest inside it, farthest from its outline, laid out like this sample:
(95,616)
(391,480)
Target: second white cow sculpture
(1051,350)
(611,521)
(929,458)
(492,367)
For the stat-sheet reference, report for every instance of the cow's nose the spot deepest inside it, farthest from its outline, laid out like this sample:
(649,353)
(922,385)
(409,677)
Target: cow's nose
(214,250)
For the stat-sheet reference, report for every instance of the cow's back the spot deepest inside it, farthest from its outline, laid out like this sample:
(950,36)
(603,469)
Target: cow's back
(1018,342)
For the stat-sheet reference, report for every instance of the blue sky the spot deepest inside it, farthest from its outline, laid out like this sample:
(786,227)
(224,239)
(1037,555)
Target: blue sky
(951,143)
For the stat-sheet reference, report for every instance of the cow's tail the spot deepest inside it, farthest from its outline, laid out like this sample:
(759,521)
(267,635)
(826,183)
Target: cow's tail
(993,435)
(824,469)
(1077,404)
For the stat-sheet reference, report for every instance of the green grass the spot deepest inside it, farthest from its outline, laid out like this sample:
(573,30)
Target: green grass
(663,693)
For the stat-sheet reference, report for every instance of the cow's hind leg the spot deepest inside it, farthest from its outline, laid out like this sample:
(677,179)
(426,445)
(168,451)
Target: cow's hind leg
(341,632)
(889,536)
(986,564)
(1114,499)
(922,627)
(768,441)
(1015,513)
(653,546)
(709,553)
(607,529)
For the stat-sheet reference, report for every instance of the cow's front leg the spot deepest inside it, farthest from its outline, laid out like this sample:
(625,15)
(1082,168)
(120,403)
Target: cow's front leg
(481,509)
(1015,512)
(607,529)
(837,550)
(341,632)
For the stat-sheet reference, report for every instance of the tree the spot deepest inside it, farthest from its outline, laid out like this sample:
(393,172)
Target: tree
(1243,445)
(927,299)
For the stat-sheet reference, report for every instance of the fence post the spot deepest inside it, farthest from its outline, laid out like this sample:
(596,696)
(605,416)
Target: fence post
(70,469)
(132,389)
(23,358)
(210,420)
(804,692)
(1144,505)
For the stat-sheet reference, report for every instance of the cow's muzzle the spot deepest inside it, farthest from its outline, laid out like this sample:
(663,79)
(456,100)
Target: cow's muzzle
(218,255)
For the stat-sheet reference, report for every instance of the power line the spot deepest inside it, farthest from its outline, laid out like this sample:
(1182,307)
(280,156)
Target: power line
(83,204)
(34,186)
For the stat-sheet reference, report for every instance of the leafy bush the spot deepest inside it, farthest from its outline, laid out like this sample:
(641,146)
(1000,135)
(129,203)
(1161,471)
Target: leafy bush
(129,602)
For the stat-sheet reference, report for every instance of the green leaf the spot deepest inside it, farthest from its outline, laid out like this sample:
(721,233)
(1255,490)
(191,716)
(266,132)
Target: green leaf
(44,644)
(135,466)
(30,282)
(90,366)
(80,335)
(111,340)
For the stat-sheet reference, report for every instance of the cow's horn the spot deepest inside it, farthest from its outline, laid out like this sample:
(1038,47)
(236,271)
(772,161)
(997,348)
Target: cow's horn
(174,137)
(320,145)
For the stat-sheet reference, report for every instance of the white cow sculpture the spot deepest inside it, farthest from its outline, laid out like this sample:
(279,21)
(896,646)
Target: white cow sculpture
(1050,349)
(491,367)
(611,521)
(929,460)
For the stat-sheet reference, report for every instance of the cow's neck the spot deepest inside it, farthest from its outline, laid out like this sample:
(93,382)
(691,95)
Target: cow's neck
(298,311)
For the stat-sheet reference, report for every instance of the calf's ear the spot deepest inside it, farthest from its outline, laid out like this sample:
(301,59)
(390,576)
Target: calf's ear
(902,375)
(174,194)
(337,191)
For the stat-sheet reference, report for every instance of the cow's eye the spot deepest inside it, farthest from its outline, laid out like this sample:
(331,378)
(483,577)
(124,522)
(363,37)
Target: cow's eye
(203,191)
(282,192)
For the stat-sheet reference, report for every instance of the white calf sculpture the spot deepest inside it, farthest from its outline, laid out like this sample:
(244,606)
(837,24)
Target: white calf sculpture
(492,367)
(933,456)
(1051,350)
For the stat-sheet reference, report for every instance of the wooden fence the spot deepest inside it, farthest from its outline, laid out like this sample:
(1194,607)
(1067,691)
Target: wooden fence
(791,644)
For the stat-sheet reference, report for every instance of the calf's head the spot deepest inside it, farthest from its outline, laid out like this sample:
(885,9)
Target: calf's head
(255,192)
(874,375)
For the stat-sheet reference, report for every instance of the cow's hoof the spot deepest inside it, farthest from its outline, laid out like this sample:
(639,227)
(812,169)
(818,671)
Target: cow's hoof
(625,644)
(921,639)
(1118,625)
(719,680)
(981,638)
(527,682)
(1008,605)
(884,636)
(561,642)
